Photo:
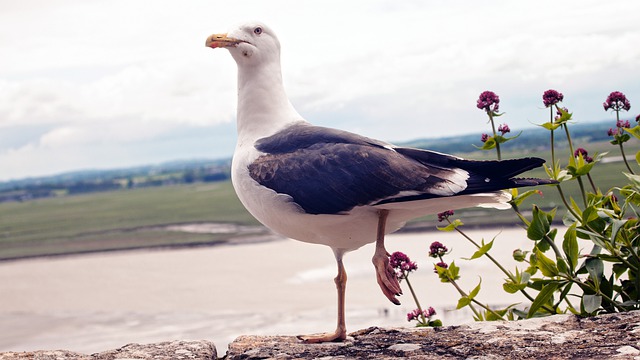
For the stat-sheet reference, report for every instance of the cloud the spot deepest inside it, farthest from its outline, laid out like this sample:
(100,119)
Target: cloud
(96,76)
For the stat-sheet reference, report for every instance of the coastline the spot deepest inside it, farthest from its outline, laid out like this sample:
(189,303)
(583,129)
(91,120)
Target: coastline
(237,235)
(99,301)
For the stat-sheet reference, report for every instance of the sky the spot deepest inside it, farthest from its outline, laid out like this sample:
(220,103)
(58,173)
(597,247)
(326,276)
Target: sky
(109,84)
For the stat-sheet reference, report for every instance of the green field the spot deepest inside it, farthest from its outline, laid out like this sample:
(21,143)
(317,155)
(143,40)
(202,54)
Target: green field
(135,218)
(116,220)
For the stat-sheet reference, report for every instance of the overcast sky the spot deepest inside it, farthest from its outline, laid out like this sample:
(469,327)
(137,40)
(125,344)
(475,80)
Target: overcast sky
(104,84)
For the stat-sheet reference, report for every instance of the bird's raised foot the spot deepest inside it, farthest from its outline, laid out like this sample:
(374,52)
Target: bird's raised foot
(338,335)
(386,277)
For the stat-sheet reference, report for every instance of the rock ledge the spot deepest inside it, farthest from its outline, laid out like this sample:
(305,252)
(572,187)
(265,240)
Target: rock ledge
(611,336)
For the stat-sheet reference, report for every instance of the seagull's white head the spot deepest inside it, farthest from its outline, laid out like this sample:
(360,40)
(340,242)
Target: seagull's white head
(249,44)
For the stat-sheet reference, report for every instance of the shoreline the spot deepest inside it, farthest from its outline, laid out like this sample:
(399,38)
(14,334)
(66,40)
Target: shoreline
(100,301)
(249,234)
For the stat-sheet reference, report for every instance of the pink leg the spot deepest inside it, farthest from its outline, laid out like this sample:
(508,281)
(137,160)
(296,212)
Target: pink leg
(341,330)
(384,272)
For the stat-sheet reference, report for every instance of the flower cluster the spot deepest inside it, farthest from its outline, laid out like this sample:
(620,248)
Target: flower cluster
(620,124)
(441,264)
(437,249)
(551,97)
(504,128)
(623,124)
(416,314)
(488,101)
(559,114)
(402,264)
(617,101)
(485,137)
(584,153)
(444,215)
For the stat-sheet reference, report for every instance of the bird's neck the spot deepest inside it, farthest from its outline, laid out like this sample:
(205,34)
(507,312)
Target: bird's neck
(263,105)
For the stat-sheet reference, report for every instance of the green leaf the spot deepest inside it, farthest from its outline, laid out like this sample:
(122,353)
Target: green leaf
(502,139)
(488,145)
(512,288)
(464,301)
(550,126)
(546,265)
(435,323)
(595,268)
(521,282)
(454,224)
(454,271)
(576,207)
(579,167)
(543,298)
(619,269)
(617,225)
(483,250)
(570,246)
(517,200)
(638,157)
(564,116)
(635,131)
(635,179)
(475,290)
(448,274)
(591,303)
(562,266)
(539,225)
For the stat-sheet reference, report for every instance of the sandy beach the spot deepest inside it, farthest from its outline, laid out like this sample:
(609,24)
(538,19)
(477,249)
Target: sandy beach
(95,302)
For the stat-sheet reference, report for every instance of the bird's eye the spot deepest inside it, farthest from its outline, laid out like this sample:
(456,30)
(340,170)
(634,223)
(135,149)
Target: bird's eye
(257,30)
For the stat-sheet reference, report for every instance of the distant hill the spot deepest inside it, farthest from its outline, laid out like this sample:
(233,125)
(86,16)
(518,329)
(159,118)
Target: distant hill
(536,138)
(85,181)
(208,170)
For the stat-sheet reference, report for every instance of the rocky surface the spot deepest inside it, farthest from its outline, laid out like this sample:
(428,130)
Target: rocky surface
(612,336)
(178,350)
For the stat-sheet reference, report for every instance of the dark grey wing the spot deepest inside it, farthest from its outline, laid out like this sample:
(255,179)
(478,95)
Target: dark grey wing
(328,171)
(484,175)
(303,135)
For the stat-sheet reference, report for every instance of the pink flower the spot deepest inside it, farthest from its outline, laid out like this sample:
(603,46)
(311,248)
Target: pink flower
(441,264)
(437,249)
(444,215)
(551,97)
(415,314)
(504,128)
(617,101)
(401,261)
(488,101)
(484,138)
(584,153)
(623,124)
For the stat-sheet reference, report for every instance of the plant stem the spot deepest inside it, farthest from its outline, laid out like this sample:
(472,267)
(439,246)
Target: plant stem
(566,204)
(582,191)
(553,151)
(624,157)
(462,293)
(509,275)
(566,130)
(415,298)
(495,134)
(593,185)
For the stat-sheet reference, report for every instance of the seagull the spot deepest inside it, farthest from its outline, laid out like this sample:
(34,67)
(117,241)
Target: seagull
(336,188)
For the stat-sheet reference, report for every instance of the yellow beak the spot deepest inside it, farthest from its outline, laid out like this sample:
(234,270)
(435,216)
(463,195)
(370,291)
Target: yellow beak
(221,41)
